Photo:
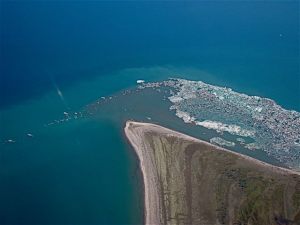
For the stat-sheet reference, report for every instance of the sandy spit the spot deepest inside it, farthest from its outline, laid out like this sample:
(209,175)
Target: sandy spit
(135,134)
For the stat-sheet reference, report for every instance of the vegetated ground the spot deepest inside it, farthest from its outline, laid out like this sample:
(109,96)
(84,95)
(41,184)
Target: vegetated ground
(200,184)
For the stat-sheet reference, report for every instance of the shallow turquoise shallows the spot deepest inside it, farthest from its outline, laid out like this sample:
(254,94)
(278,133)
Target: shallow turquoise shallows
(58,57)
(83,170)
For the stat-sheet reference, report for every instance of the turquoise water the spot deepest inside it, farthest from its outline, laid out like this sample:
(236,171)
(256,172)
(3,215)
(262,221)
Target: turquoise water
(59,57)
(83,170)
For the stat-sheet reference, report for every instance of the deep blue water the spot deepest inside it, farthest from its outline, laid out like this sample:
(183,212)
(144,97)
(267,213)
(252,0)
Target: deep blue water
(253,46)
(84,172)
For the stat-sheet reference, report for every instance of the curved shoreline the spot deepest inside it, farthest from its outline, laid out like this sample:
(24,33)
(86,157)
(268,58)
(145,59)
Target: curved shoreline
(135,133)
(150,214)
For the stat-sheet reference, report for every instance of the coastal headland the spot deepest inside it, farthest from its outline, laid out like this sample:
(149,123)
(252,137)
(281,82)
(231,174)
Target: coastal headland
(189,181)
